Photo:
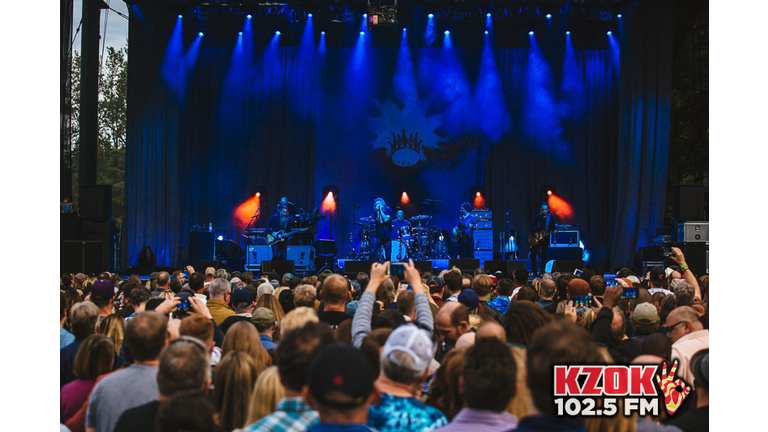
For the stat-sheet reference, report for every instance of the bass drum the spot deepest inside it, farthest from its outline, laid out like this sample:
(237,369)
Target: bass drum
(366,234)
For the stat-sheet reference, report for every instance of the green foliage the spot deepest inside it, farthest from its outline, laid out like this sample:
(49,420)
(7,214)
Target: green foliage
(113,87)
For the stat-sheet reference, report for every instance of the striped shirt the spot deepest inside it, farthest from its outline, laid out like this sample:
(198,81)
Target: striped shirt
(292,414)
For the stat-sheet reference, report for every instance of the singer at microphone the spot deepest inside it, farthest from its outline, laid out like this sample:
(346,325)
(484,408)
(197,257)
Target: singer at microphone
(381,242)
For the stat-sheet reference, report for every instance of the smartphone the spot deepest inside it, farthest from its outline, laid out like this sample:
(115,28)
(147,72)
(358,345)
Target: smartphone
(583,301)
(396,269)
(668,252)
(183,302)
(610,283)
(629,292)
(577,272)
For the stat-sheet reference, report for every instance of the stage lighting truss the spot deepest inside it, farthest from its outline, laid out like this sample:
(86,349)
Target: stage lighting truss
(382,17)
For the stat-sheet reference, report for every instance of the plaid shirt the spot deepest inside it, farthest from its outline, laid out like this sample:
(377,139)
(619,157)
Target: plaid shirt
(292,415)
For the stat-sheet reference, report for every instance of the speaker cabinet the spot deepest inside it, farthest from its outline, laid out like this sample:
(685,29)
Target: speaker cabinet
(567,266)
(82,256)
(689,203)
(256,254)
(326,247)
(355,267)
(104,232)
(201,246)
(465,265)
(506,267)
(96,202)
(278,266)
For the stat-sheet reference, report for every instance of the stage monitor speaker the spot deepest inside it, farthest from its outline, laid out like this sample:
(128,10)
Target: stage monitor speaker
(465,265)
(423,266)
(280,267)
(506,267)
(564,253)
(567,266)
(201,246)
(326,247)
(256,254)
(82,256)
(302,255)
(96,202)
(355,267)
(689,203)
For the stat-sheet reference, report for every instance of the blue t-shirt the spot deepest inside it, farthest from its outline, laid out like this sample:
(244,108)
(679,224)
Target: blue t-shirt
(398,414)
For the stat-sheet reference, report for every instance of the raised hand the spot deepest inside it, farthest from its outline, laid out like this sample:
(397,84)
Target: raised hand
(673,397)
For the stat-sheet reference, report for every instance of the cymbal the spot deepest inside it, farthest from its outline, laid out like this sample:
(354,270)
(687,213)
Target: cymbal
(421,217)
(366,219)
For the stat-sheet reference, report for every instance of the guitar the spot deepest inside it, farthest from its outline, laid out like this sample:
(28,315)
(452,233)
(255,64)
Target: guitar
(277,237)
(536,238)
(459,233)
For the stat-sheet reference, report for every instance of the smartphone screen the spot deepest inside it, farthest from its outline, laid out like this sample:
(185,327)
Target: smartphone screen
(577,272)
(396,269)
(612,282)
(629,292)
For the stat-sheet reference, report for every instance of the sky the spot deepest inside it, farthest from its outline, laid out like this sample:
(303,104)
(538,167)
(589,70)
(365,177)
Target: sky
(117,26)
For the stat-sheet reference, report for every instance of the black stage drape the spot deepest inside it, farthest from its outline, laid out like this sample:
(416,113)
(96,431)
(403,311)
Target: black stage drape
(202,137)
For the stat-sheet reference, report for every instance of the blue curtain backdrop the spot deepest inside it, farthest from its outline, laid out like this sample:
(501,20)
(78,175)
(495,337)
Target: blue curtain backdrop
(208,124)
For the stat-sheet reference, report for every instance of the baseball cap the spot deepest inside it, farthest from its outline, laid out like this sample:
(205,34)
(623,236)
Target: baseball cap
(646,312)
(469,298)
(263,315)
(414,342)
(435,282)
(102,290)
(658,276)
(275,284)
(242,298)
(287,276)
(210,271)
(340,376)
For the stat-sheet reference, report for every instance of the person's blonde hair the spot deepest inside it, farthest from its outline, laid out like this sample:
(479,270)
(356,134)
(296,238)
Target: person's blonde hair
(233,383)
(266,395)
(113,326)
(166,294)
(519,406)
(242,336)
(297,318)
(270,302)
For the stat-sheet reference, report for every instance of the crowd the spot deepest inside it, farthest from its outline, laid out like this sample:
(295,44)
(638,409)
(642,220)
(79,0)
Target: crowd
(442,350)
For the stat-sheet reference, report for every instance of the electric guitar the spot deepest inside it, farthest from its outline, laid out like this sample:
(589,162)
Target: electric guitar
(537,237)
(459,233)
(277,237)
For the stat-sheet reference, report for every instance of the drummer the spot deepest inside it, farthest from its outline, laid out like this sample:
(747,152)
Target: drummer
(401,227)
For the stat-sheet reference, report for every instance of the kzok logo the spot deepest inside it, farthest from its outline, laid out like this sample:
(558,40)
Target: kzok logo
(634,384)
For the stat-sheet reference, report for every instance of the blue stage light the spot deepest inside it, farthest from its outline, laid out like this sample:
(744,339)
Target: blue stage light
(278,33)
(430,16)
(179,16)
(486,32)
(249,16)
(549,16)
(403,28)
(609,33)
(488,15)
(200,34)
(447,32)
(530,32)
(309,16)
(365,15)
(240,33)
(322,32)
(618,16)
(362,33)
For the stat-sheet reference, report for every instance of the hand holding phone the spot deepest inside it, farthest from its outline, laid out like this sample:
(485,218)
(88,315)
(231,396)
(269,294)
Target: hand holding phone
(396,269)
(629,292)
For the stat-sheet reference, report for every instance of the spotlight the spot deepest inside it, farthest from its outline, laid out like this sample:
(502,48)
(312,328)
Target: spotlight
(447,32)
(362,33)
(488,15)
(249,16)
(530,33)
(609,33)
(220,238)
(179,16)
(403,28)
(365,15)
(240,33)
(430,16)
(568,32)
(486,32)
(618,16)
(322,32)
(258,194)
(478,197)
(200,34)
(278,33)
(309,16)
(549,16)
(404,198)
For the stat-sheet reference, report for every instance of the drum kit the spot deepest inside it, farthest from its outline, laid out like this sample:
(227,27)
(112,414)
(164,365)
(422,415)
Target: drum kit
(417,242)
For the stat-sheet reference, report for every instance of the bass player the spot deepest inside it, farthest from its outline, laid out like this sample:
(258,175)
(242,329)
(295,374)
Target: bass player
(542,226)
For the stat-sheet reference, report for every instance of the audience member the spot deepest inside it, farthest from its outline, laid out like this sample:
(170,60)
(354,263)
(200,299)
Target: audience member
(444,390)
(688,336)
(482,285)
(265,322)
(94,358)
(244,337)
(305,296)
(233,383)
(697,419)
(523,318)
(267,393)
(335,297)
(82,318)
(243,305)
(220,292)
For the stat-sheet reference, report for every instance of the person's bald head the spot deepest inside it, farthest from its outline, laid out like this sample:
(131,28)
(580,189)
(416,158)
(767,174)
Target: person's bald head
(682,321)
(492,329)
(335,290)
(452,321)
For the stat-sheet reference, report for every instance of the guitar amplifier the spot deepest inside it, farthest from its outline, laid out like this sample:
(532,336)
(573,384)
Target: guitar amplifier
(255,254)
(564,239)
(697,232)
(302,256)
(483,239)
(483,214)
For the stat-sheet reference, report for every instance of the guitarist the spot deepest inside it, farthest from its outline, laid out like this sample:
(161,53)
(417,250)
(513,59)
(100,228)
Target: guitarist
(462,232)
(542,224)
(277,225)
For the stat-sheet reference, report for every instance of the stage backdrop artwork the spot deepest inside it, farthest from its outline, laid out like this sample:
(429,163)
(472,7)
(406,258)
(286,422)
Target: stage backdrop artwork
(209,125)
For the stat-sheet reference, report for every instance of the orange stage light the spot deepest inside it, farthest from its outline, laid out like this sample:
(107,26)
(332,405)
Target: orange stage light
(246,210)
(404,198)
(560,208)
(329,204)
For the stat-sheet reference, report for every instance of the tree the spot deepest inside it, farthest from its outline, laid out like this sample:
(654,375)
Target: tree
(113,87)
